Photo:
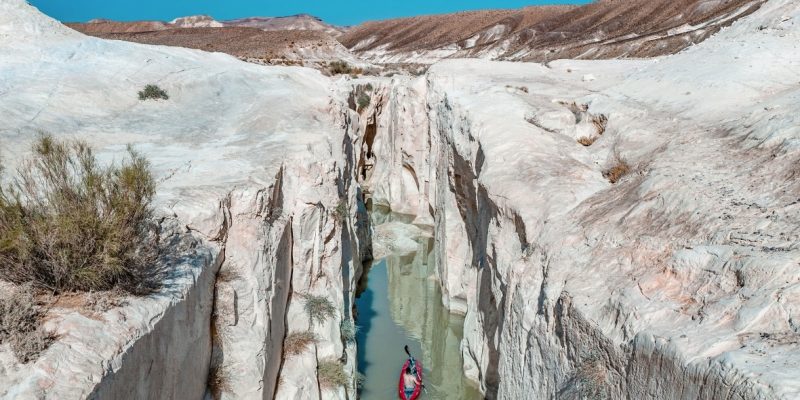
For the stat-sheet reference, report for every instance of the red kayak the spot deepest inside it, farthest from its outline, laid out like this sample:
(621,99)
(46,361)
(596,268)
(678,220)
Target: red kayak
(416,367)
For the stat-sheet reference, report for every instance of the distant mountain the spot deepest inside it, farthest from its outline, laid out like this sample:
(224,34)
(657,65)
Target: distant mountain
(603,29)
(196,21)
(600,30)
(294,22)
(108,26)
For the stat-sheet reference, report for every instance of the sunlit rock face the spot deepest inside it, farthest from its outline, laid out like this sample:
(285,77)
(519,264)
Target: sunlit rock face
(675,281)
(618,228)
(251,163)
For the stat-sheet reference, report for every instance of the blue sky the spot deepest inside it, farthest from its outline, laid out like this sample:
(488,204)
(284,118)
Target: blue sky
(340,12)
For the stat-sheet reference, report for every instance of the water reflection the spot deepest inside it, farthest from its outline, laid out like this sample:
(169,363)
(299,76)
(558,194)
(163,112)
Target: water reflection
(401,304)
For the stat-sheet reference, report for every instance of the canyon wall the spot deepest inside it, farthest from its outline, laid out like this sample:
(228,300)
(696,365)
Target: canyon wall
(257,203)
(617,229)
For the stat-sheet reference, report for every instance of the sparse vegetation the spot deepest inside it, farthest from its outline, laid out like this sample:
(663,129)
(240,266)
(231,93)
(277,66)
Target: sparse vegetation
(348,330)
(619,169)
(153,92)
(360,380)
(21,325)
(600,122)
(319,309)
(369,87)
(219,380)
(298,342)
(590,381)
(331,374)
(340,211)
(342,68)
(586,140)
(363,101)
(523,89)
(68,224)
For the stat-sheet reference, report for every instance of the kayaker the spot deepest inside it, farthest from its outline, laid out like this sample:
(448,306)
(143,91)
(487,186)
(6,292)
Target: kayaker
(410,382)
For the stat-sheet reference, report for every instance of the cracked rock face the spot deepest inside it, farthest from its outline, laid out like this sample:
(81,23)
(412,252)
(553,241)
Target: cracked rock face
(677,280)
(251,184)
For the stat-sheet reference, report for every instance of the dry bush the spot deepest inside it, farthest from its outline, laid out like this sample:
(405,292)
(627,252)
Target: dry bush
(68,224)
(219,380)
(153,92)
(331,374)
(101,302)
(318,308)
(298,342)
(20,324)
(600,122)
(340,68)
(523,89)
(587,141)
(619,169)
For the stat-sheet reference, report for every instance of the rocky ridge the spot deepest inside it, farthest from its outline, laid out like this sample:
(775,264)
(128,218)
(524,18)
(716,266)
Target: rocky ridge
(599,30)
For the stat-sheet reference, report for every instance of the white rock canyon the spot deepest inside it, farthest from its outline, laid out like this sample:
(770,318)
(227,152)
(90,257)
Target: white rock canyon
(681,280)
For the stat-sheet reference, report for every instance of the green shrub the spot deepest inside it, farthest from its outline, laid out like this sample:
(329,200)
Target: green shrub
(331,374)
(153,92)
(341,212)
(298,342)
(340,68)
(369,87)
(20,324)
(363,101)
(319,309)
(348,330)
(69,224)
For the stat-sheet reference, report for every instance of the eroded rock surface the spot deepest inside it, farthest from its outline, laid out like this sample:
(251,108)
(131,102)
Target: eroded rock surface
(627,228)
(674,282)
(252,162)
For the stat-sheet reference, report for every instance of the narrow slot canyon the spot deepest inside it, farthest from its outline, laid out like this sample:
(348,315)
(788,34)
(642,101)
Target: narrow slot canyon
(399,302)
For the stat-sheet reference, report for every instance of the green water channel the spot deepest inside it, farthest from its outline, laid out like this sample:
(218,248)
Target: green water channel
(399,303)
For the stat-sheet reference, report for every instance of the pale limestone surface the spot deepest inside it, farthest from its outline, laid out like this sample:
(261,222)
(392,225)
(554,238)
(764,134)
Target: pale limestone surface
(251,161)
(680,281)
